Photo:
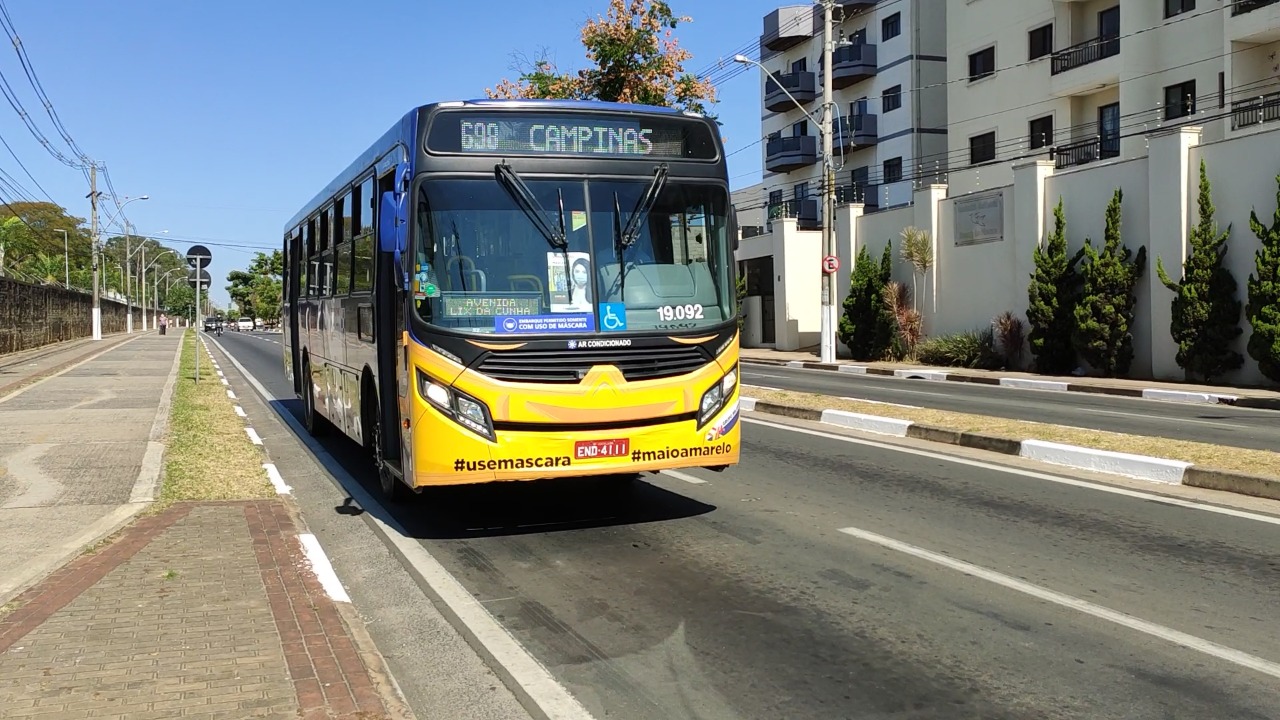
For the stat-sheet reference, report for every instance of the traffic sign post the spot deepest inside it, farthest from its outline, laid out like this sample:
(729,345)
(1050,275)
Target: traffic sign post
(198,258)
(830,264)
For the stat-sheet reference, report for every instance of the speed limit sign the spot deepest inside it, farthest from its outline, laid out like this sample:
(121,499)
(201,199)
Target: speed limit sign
(830,264)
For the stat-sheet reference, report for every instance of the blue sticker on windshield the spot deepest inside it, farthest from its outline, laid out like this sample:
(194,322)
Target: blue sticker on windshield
(613,317)
(521,324)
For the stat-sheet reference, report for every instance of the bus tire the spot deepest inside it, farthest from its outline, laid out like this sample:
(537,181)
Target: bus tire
(390,486)
(312,420)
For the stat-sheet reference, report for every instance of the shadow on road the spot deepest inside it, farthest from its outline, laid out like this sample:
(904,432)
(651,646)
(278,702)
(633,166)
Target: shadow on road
(500,509)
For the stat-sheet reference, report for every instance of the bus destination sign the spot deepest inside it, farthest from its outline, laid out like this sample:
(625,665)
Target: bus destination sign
(460,305)
(600,136)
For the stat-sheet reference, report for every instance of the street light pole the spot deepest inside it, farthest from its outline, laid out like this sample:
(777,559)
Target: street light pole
(97,260)
(828,330)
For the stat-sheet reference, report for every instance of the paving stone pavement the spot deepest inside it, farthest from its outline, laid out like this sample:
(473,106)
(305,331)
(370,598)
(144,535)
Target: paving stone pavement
(205,610)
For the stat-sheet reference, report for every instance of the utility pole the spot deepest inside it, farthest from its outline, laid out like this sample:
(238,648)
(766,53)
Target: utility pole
(97,292)
(829,305)
(128,281)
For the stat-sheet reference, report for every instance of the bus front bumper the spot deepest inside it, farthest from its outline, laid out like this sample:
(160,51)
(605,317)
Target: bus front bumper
(447,454)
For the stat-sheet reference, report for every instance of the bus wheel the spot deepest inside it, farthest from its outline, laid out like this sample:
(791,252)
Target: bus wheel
(310,418)
(391,487)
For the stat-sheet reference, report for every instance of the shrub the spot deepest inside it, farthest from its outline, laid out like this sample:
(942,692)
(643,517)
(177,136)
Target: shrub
(908,324)
(1104,314)
(1053,293)
(975,349)
(1009,333)
(865,326)
(1264,295)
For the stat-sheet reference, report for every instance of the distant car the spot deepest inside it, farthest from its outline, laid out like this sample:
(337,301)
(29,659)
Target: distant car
(245,323)
(211,324)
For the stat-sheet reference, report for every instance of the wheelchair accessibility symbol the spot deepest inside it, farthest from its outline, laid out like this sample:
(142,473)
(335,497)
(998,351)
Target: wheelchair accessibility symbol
(613,317)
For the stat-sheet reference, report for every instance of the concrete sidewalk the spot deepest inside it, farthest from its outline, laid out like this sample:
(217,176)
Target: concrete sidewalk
(80,454)
(200,610)
(1151,389)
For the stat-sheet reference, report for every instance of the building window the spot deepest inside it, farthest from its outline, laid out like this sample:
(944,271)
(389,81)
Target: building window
(1041,132)
(1177,7)
(1222,90)
(801,191)
(893,170)
(892,99)
(775,197)
(982,148)
(800,65)
(1040,42)
(891,27)
(800,129)
(1180,100)
(982,64)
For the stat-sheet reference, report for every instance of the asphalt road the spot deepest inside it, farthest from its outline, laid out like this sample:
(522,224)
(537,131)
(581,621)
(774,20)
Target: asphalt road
(819,579)
(1218,424)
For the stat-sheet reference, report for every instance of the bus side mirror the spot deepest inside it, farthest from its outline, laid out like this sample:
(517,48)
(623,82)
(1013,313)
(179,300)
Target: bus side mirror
(733,227)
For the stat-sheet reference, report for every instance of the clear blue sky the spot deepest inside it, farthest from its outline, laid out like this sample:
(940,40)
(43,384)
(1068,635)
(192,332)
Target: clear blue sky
(230,115)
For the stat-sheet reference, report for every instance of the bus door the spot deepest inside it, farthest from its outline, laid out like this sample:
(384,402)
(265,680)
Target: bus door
(294,259)
(395,386)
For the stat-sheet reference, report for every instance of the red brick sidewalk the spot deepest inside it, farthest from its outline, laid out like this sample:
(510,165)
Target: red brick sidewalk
(205,610)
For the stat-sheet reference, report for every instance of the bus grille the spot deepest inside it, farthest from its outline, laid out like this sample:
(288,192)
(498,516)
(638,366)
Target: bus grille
(570,366)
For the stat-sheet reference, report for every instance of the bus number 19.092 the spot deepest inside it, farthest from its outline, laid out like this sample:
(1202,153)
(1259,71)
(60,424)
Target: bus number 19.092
(680,312)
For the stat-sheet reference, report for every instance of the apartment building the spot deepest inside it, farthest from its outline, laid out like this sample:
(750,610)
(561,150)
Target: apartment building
(883,132)
(1084,81)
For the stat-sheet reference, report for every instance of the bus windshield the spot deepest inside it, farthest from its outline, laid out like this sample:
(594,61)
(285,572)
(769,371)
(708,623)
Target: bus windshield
(579,258)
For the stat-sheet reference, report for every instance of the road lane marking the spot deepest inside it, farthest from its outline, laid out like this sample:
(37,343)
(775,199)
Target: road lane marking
(277,480)
(1113,489)
(323,569)
(1164,419)
(746,374)
(1176,637)
(231,394)
(684,476)
(240,411)
(253,436)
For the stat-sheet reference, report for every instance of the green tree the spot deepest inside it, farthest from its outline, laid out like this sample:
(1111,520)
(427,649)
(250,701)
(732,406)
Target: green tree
(1206,312)
(1104,314)
(867,325)
(257,291)
(1263,309)
(1052,295)
(632,58)
(741,292)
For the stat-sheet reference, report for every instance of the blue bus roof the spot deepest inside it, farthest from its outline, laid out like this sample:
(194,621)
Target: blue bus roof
(400,132)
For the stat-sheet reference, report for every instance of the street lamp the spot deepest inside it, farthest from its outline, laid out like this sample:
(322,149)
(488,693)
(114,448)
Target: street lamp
(829,305)
(97,290)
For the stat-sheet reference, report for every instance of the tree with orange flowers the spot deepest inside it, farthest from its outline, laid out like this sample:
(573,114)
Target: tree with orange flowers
(634,58)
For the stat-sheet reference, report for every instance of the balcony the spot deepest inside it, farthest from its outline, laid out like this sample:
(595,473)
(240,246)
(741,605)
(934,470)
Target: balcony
(851,64)
(1084,152)
(855,131)
(805,212)
(1085,53)
(1247,6)
(784,154)
(1084,67)
(787,27)
(1255,111)
(803,86)
(857,192)
(1254,21)
(856,5)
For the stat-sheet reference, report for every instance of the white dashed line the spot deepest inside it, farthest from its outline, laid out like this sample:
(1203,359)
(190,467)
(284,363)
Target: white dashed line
(1176,637)
(277,480)
(682,476)
(322,569)
(231,395)
(240,411)
(253,436)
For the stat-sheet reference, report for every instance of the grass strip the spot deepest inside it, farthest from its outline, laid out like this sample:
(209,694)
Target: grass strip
(1242,460)
(209,456)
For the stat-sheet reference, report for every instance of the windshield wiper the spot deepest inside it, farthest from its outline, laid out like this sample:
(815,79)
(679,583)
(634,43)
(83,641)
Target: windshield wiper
(626,237)
(524,197)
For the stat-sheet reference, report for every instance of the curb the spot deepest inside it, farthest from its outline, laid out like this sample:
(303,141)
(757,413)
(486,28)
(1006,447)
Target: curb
(940,375)
(1142,467)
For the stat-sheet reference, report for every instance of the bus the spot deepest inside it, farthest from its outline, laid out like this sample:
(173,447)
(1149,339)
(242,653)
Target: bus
(509,290)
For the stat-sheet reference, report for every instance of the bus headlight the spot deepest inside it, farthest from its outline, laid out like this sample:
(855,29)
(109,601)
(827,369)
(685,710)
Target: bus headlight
(457,405)
(714,398)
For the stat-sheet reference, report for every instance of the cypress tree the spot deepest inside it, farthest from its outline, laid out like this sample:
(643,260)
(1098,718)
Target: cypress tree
(1104,314)
(1206,312)
(1264,294)
(866,327)
(1055,286)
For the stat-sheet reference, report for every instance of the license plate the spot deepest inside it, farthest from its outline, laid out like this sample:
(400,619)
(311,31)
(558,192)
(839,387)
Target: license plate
(593,449)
